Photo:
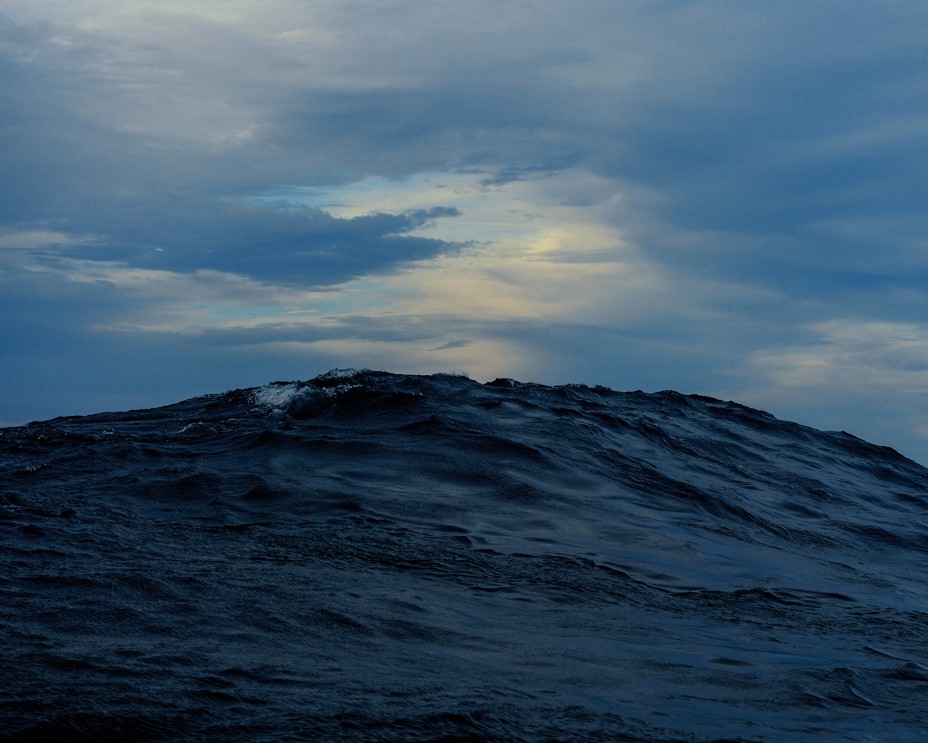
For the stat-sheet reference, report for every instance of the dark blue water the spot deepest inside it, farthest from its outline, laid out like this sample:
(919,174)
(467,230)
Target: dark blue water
(368,556)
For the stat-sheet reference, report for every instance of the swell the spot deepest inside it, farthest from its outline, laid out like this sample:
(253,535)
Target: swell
(384,557)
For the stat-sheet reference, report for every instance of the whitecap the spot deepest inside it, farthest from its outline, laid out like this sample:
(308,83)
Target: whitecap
(278,396)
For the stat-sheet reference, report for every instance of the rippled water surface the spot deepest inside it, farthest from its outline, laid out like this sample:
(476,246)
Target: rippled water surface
(369,556)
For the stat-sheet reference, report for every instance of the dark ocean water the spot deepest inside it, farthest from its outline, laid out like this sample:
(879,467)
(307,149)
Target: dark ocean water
(369,556)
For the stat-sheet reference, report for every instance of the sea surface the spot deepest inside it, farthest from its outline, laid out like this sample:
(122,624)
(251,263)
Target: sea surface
(368,556)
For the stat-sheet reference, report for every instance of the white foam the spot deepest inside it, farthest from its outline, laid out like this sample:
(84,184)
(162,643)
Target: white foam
(277,396)
(341,373)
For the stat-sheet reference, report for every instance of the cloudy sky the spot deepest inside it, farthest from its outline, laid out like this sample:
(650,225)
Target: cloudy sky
(726,198)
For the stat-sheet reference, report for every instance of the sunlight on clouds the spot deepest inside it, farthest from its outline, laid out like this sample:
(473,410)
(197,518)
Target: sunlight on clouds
(530,217)
(538,251)
(500,287)
(535,252)
(489,213)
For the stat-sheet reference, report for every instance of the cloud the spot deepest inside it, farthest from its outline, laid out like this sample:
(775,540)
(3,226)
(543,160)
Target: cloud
(638,194)
(32,239)
(287,244)
(851,373)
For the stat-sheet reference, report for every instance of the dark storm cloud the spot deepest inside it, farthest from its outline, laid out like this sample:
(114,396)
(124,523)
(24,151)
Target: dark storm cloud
(272,242)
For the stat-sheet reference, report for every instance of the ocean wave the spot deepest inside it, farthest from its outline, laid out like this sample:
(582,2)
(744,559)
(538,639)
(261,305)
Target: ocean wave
(372,556)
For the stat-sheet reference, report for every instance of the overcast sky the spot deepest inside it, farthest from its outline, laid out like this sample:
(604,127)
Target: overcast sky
(726,198)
